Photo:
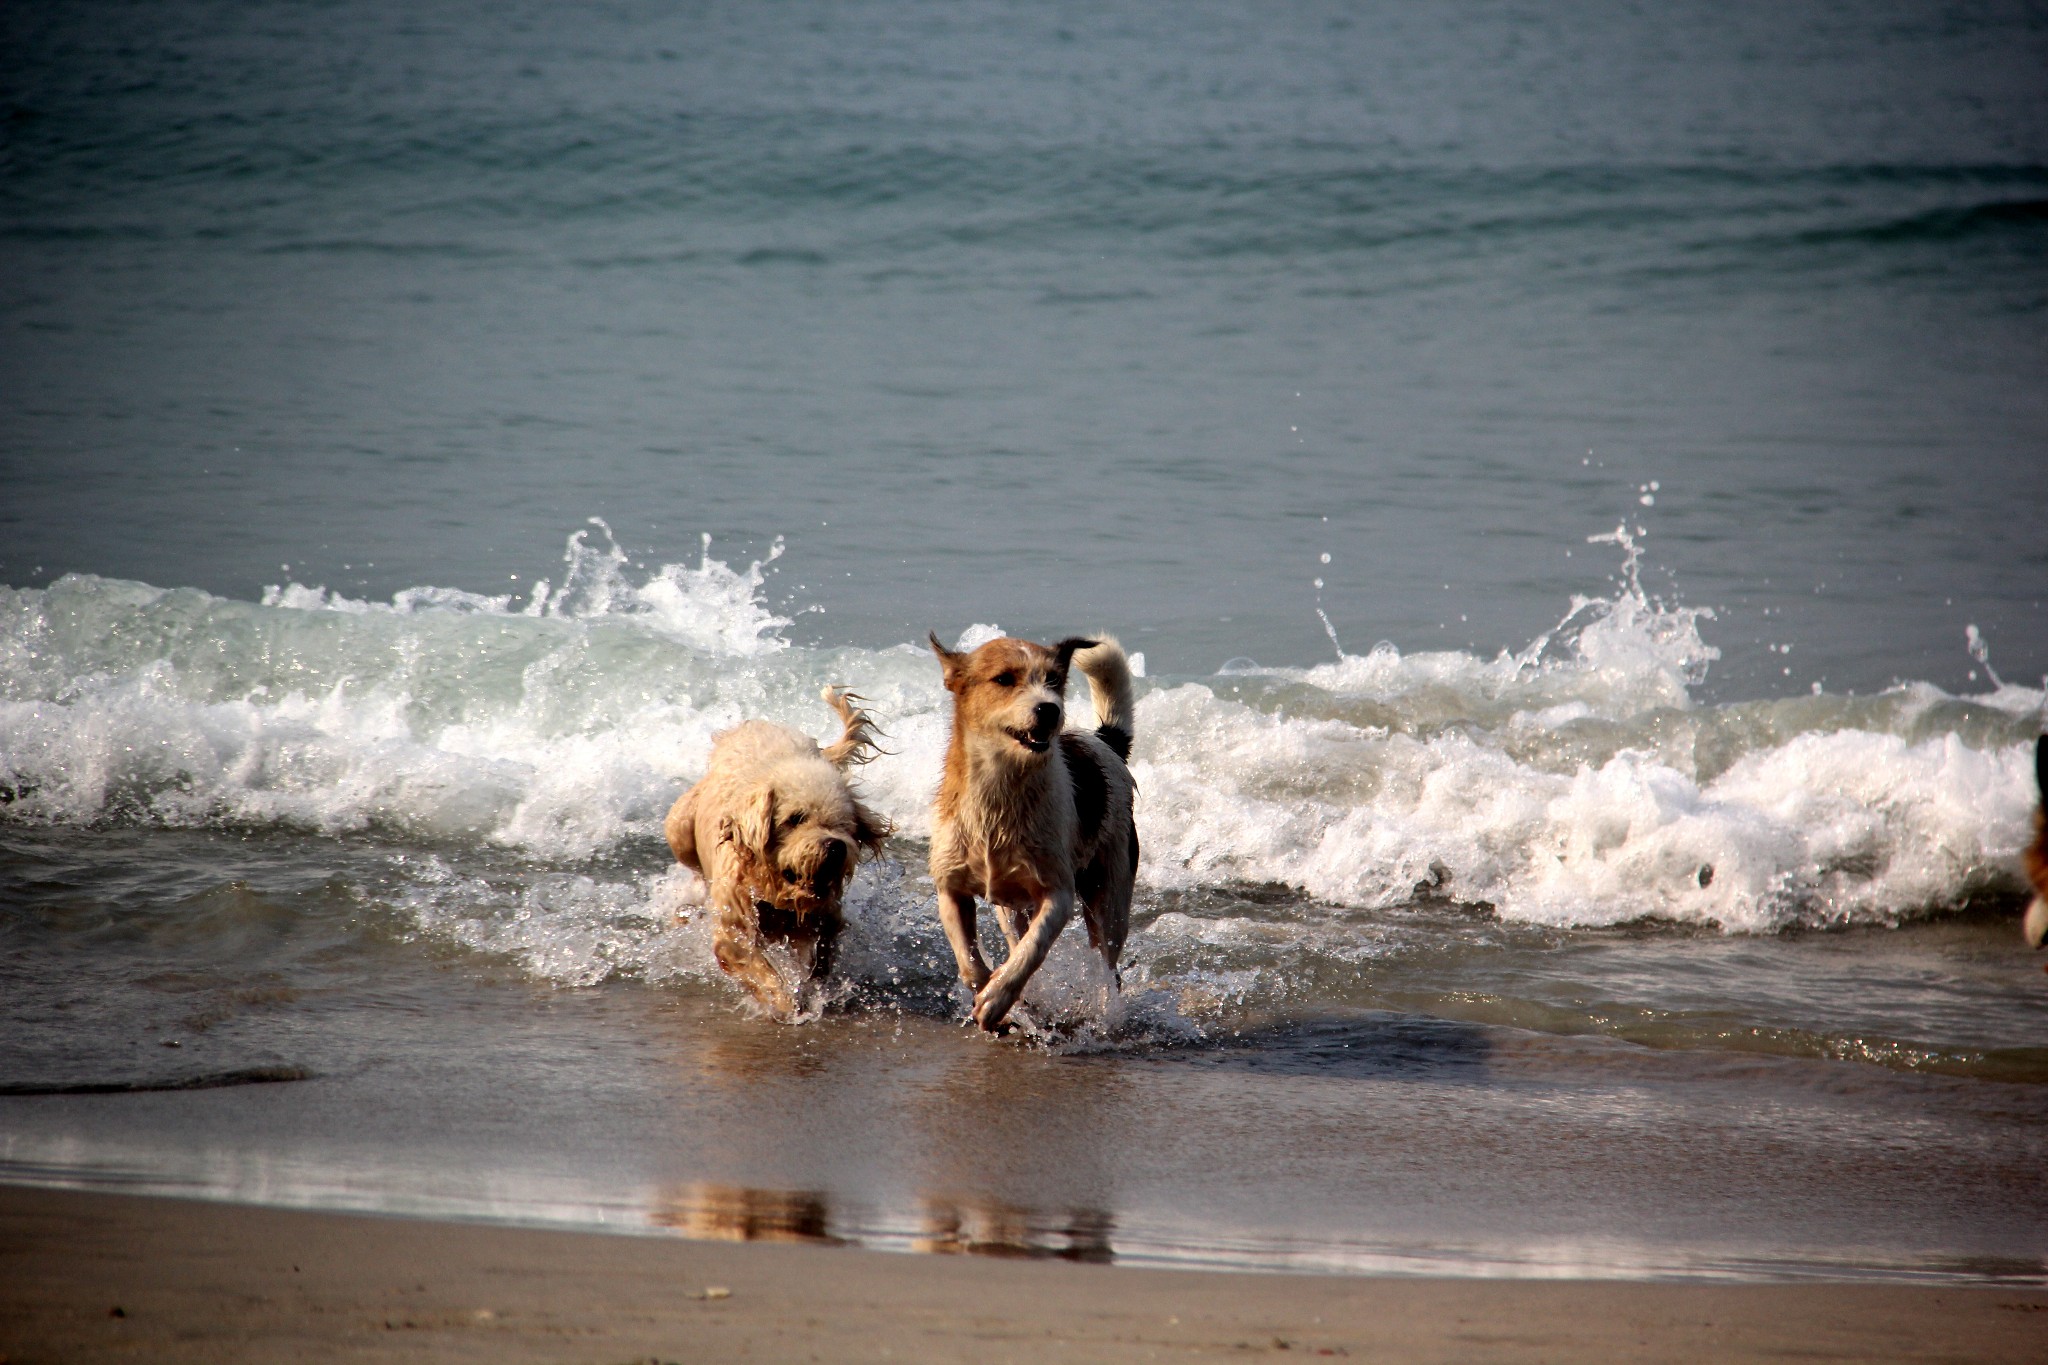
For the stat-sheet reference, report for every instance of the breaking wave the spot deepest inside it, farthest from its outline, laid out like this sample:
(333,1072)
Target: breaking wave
(1573,782)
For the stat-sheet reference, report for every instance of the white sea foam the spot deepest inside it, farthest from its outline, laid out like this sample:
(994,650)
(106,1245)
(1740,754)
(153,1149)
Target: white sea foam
(1573,782)
(1826,827)
(1614,657)
(711,607)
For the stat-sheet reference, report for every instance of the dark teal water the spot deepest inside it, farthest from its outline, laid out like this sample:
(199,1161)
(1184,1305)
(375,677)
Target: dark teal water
(396,298)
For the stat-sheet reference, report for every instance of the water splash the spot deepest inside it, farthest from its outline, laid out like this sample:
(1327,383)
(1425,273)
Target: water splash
(1574,781)
(1981,652)
(1614,656)
(711,606)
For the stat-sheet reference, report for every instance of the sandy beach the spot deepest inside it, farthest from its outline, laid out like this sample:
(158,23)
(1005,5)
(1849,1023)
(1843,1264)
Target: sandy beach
(91,1276)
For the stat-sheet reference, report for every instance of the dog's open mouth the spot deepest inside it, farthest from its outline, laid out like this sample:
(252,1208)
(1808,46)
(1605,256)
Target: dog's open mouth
(1031,739)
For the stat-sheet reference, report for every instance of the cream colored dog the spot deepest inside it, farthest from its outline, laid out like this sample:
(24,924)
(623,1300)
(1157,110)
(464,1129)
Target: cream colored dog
(775,829)
(1029,816)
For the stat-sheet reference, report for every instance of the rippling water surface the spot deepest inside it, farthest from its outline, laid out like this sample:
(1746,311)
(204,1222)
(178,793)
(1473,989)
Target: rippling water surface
(1573,482)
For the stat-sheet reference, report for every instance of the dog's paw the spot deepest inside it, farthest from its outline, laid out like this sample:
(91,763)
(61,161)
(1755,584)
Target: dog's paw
(992,1003)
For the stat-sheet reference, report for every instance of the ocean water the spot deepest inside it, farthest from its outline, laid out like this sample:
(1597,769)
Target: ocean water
(1573,480)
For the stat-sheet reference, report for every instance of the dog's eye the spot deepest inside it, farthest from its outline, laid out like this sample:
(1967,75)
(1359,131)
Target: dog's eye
(1004,680)
(793,819)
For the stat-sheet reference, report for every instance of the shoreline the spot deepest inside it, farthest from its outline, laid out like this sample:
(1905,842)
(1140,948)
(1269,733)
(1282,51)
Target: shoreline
(201,1281)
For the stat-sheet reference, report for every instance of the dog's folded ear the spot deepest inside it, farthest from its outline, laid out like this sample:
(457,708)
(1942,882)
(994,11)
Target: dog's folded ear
(729,838)
(754,819)
(953,663)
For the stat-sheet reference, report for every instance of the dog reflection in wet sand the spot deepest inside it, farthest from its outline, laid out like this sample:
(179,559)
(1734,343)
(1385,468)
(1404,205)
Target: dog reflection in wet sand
(731,1213)
(2035,926)
(988,1227)
(775,829)
(1030,816)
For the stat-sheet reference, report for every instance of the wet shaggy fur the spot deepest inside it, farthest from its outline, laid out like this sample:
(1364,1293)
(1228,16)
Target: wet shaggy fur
(1032,817)
(775,829)
(2035,926)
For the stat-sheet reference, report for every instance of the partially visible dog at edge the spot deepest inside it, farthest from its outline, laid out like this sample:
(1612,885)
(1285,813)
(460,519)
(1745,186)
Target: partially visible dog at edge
(775,829)
(2035,926)
(1030,816)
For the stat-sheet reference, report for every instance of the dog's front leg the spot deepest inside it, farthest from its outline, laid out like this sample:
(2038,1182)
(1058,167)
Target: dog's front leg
(1016,922)
(956,913)
(825,947)
(815,951)
(738,950)
(993,1001)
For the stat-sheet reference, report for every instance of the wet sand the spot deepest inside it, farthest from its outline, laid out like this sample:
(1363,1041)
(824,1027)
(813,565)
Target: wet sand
(93,1276)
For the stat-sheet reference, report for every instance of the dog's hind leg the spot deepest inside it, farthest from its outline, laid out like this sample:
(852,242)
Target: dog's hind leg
(993,1001)
(1106,905)
(1105,932)
(956,913)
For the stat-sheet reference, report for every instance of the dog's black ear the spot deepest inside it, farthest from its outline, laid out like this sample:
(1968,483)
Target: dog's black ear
(954,663)
(2041,767)
(1063,655)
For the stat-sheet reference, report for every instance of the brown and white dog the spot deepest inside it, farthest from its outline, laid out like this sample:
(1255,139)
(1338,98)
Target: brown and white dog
(775,829)
(1029,816)
(2035,926)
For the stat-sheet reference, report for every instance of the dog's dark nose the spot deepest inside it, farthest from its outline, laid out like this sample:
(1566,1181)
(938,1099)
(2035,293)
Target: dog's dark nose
(831,865)
(1045,717)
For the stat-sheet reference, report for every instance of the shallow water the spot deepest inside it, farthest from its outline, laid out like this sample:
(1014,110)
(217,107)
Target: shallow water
(1572,482)
(1498,1103)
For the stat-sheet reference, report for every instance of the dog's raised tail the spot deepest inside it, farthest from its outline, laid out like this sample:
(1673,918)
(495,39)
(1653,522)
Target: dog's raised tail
(1109,683)
(856,743)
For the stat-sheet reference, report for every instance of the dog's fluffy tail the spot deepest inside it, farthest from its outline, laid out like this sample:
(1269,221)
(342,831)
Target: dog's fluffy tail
(1109,684)
(856,743)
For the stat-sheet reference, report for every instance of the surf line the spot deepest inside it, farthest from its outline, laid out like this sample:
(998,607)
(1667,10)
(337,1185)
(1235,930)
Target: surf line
(214,1080)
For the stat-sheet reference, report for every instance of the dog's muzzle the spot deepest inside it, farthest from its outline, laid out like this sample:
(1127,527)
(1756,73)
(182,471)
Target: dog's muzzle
(1045,723)
(831,868)
(823,882)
